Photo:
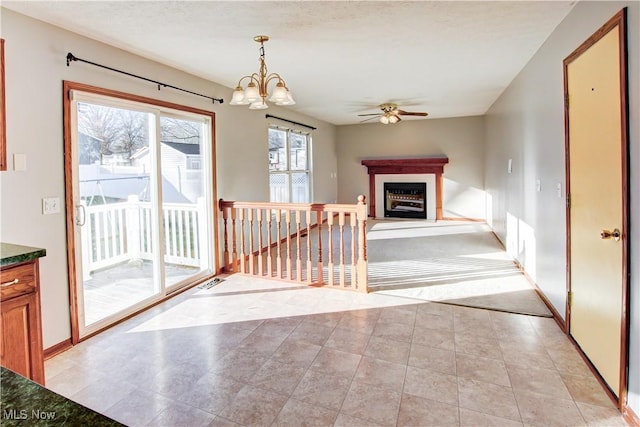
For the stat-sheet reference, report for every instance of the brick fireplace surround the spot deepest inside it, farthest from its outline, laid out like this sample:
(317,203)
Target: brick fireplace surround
(434,165)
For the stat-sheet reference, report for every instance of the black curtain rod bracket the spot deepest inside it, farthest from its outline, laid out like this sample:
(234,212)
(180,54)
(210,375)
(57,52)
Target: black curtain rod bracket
(269,116)
(71,58)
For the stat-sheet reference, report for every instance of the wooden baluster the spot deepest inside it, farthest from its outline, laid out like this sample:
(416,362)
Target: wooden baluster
(341,225)
(330,250)
(225,213)
(269,243)
(363,278)
(251,243)
(353,220)
(234,243)
(298,248)
(279,245)
(243,245)
(259,212)
(288,231)
(320,279)
(309,265)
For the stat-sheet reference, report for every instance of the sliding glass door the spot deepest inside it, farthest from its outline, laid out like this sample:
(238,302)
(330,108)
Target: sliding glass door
(142,204)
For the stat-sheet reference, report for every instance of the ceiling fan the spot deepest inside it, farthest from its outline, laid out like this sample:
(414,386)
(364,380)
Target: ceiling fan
(390,114)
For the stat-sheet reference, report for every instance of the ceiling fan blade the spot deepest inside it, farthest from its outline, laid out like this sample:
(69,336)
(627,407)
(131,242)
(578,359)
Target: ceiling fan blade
(372,114)
(366,120)
(410,113)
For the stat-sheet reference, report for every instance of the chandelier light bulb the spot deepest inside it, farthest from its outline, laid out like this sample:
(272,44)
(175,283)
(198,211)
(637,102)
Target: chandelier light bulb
(279,93)
(258,105)
(288,101)
(238,97)
(252,94)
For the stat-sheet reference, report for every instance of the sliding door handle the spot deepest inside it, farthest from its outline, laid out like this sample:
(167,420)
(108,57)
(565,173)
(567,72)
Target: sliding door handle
(81,219)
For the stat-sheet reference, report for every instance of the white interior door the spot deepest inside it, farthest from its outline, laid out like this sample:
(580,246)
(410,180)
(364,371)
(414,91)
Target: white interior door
(597,176)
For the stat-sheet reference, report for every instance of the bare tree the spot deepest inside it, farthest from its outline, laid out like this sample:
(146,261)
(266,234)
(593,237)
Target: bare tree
(179,130)
(111,130)
(133,131)
(100,123)
(116,130)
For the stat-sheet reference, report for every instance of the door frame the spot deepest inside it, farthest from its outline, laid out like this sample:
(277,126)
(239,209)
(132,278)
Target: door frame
(68,87)
(619,20)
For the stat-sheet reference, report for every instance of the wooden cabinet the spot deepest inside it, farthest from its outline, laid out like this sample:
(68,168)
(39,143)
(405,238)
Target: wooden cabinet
(20,325)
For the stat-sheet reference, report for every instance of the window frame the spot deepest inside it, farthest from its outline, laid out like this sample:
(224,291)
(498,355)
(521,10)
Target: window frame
(119,99)
(308,170)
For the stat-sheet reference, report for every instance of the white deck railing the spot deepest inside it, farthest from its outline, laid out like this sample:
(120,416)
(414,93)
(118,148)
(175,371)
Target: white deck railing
(308,243)
(118,232)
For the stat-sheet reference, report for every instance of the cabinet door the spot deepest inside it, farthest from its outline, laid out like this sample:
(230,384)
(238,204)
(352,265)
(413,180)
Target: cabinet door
(20,347)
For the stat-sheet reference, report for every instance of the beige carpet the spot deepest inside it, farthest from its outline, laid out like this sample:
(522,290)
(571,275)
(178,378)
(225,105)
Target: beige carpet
(452,262)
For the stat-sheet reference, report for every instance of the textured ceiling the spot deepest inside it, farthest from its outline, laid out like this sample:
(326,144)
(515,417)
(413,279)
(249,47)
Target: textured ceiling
(340,59)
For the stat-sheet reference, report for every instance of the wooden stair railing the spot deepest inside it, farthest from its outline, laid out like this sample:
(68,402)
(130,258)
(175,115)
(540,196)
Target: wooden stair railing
(311,243)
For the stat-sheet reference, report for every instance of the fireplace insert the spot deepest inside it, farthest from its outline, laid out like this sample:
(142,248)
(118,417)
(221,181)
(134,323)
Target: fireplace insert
(405,200)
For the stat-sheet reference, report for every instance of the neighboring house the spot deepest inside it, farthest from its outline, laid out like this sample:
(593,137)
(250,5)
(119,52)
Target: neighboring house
(109,179)
(181,167)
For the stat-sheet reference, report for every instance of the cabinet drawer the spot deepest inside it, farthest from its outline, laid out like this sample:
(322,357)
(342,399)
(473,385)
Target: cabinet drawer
(18,280)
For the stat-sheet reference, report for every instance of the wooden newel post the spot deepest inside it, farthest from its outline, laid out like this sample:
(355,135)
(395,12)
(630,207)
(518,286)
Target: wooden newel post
(225,218)
(361,215)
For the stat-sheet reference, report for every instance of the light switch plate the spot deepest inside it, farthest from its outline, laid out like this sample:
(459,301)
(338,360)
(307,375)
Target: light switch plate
(19,162)
(50,205)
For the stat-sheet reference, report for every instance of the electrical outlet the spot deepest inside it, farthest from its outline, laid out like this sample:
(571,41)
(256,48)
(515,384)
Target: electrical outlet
(50,205)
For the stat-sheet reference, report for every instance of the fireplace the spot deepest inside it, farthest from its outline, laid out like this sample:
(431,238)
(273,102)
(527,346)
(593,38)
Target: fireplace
(427,170)
(405,200)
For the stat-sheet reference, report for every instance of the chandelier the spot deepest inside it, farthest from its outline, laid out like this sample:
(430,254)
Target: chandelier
(256,93)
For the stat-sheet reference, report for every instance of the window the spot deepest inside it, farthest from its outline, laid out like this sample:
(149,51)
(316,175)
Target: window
(289,165)
(194,164)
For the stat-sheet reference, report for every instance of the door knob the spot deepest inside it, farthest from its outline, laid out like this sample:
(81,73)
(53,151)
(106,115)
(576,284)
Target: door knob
(608,234)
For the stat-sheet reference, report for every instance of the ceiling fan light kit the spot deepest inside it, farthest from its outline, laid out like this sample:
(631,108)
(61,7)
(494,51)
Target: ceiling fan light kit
(256,92)
(390,114)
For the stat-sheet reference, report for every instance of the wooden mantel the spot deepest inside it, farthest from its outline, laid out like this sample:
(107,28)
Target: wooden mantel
(433,165)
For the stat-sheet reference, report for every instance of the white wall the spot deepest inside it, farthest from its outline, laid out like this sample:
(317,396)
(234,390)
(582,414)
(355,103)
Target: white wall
(459,139)
(35,68)
(527,124)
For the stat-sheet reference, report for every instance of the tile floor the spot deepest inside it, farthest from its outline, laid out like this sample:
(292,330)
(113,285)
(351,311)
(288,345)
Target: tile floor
(259,352)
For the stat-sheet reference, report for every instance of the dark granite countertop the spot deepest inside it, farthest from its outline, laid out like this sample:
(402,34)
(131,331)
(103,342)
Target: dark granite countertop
(14,254)
(25,403)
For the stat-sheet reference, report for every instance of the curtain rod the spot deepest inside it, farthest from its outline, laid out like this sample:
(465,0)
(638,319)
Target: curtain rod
(71,58)
(289,121)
